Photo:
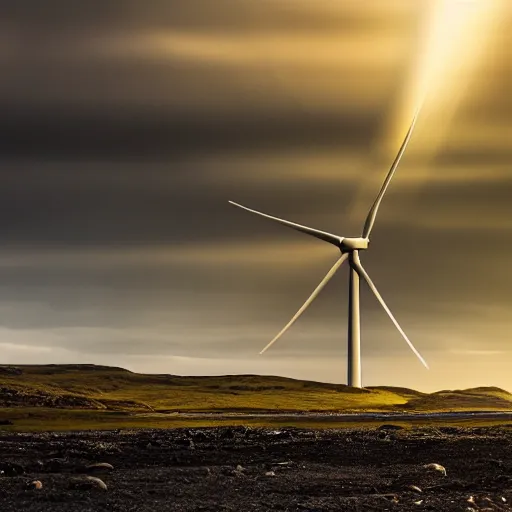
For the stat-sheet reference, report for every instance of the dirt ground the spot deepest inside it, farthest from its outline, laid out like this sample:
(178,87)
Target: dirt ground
(245,469)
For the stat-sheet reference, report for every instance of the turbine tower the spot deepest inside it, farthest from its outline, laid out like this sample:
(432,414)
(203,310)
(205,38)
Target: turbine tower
(349,248)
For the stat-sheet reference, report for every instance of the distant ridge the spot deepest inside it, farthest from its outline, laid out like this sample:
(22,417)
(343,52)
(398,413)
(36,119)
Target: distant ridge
(68,367)
(89,386)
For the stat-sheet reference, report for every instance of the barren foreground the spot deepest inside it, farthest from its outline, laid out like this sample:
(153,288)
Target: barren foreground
(240,469)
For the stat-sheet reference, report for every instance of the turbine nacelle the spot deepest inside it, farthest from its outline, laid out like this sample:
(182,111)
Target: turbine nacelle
(354,244)
(349,248)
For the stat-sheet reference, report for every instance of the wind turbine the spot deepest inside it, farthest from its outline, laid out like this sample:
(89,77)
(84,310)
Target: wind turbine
(349,248)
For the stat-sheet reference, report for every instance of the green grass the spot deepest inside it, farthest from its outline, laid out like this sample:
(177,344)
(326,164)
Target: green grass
(64,397)
(104,386)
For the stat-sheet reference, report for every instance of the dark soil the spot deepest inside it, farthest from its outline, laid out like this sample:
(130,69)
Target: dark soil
(241,469)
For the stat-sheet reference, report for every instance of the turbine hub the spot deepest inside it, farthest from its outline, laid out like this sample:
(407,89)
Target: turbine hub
(354,244)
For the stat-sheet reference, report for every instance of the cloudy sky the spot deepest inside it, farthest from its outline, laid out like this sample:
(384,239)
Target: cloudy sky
(127,126)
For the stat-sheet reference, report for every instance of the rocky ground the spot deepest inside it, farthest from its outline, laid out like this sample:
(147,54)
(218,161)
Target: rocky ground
(241,469)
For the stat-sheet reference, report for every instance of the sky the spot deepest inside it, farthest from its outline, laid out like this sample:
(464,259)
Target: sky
(127,126)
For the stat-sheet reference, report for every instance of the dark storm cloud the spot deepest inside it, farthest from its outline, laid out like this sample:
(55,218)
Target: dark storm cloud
(224,15)
(98,203)
(158,133)
(105,203)
(126,127)
(92,80)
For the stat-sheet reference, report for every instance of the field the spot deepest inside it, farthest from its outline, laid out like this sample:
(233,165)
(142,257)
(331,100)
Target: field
(251,469)
(170,443)
(74,397)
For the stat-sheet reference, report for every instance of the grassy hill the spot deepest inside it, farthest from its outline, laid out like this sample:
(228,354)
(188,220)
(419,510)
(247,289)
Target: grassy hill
(489,398)
(108,394)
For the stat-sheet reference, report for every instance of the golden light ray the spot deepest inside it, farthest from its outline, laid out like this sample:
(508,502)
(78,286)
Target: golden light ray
(454,39)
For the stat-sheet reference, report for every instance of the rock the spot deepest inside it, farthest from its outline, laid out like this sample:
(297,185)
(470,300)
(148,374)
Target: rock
(100,484)
(34,485)
(238,471)
(270,473)
(436,467)
(87,483)
(99,467)
(11,469)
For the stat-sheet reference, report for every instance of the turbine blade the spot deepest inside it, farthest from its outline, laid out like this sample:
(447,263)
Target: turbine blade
(311,298)
(372,214)
(322,235)
(362,272)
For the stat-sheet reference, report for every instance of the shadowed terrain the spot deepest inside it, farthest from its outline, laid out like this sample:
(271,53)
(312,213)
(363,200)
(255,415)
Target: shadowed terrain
(243,469)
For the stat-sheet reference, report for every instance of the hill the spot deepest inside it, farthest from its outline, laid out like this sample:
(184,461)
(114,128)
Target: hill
(99,387)
(109,392)
(490,398)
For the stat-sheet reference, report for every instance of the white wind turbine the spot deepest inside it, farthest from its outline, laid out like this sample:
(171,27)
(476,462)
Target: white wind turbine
(349,248)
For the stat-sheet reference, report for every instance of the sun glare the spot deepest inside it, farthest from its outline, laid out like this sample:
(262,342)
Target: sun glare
(452,41)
